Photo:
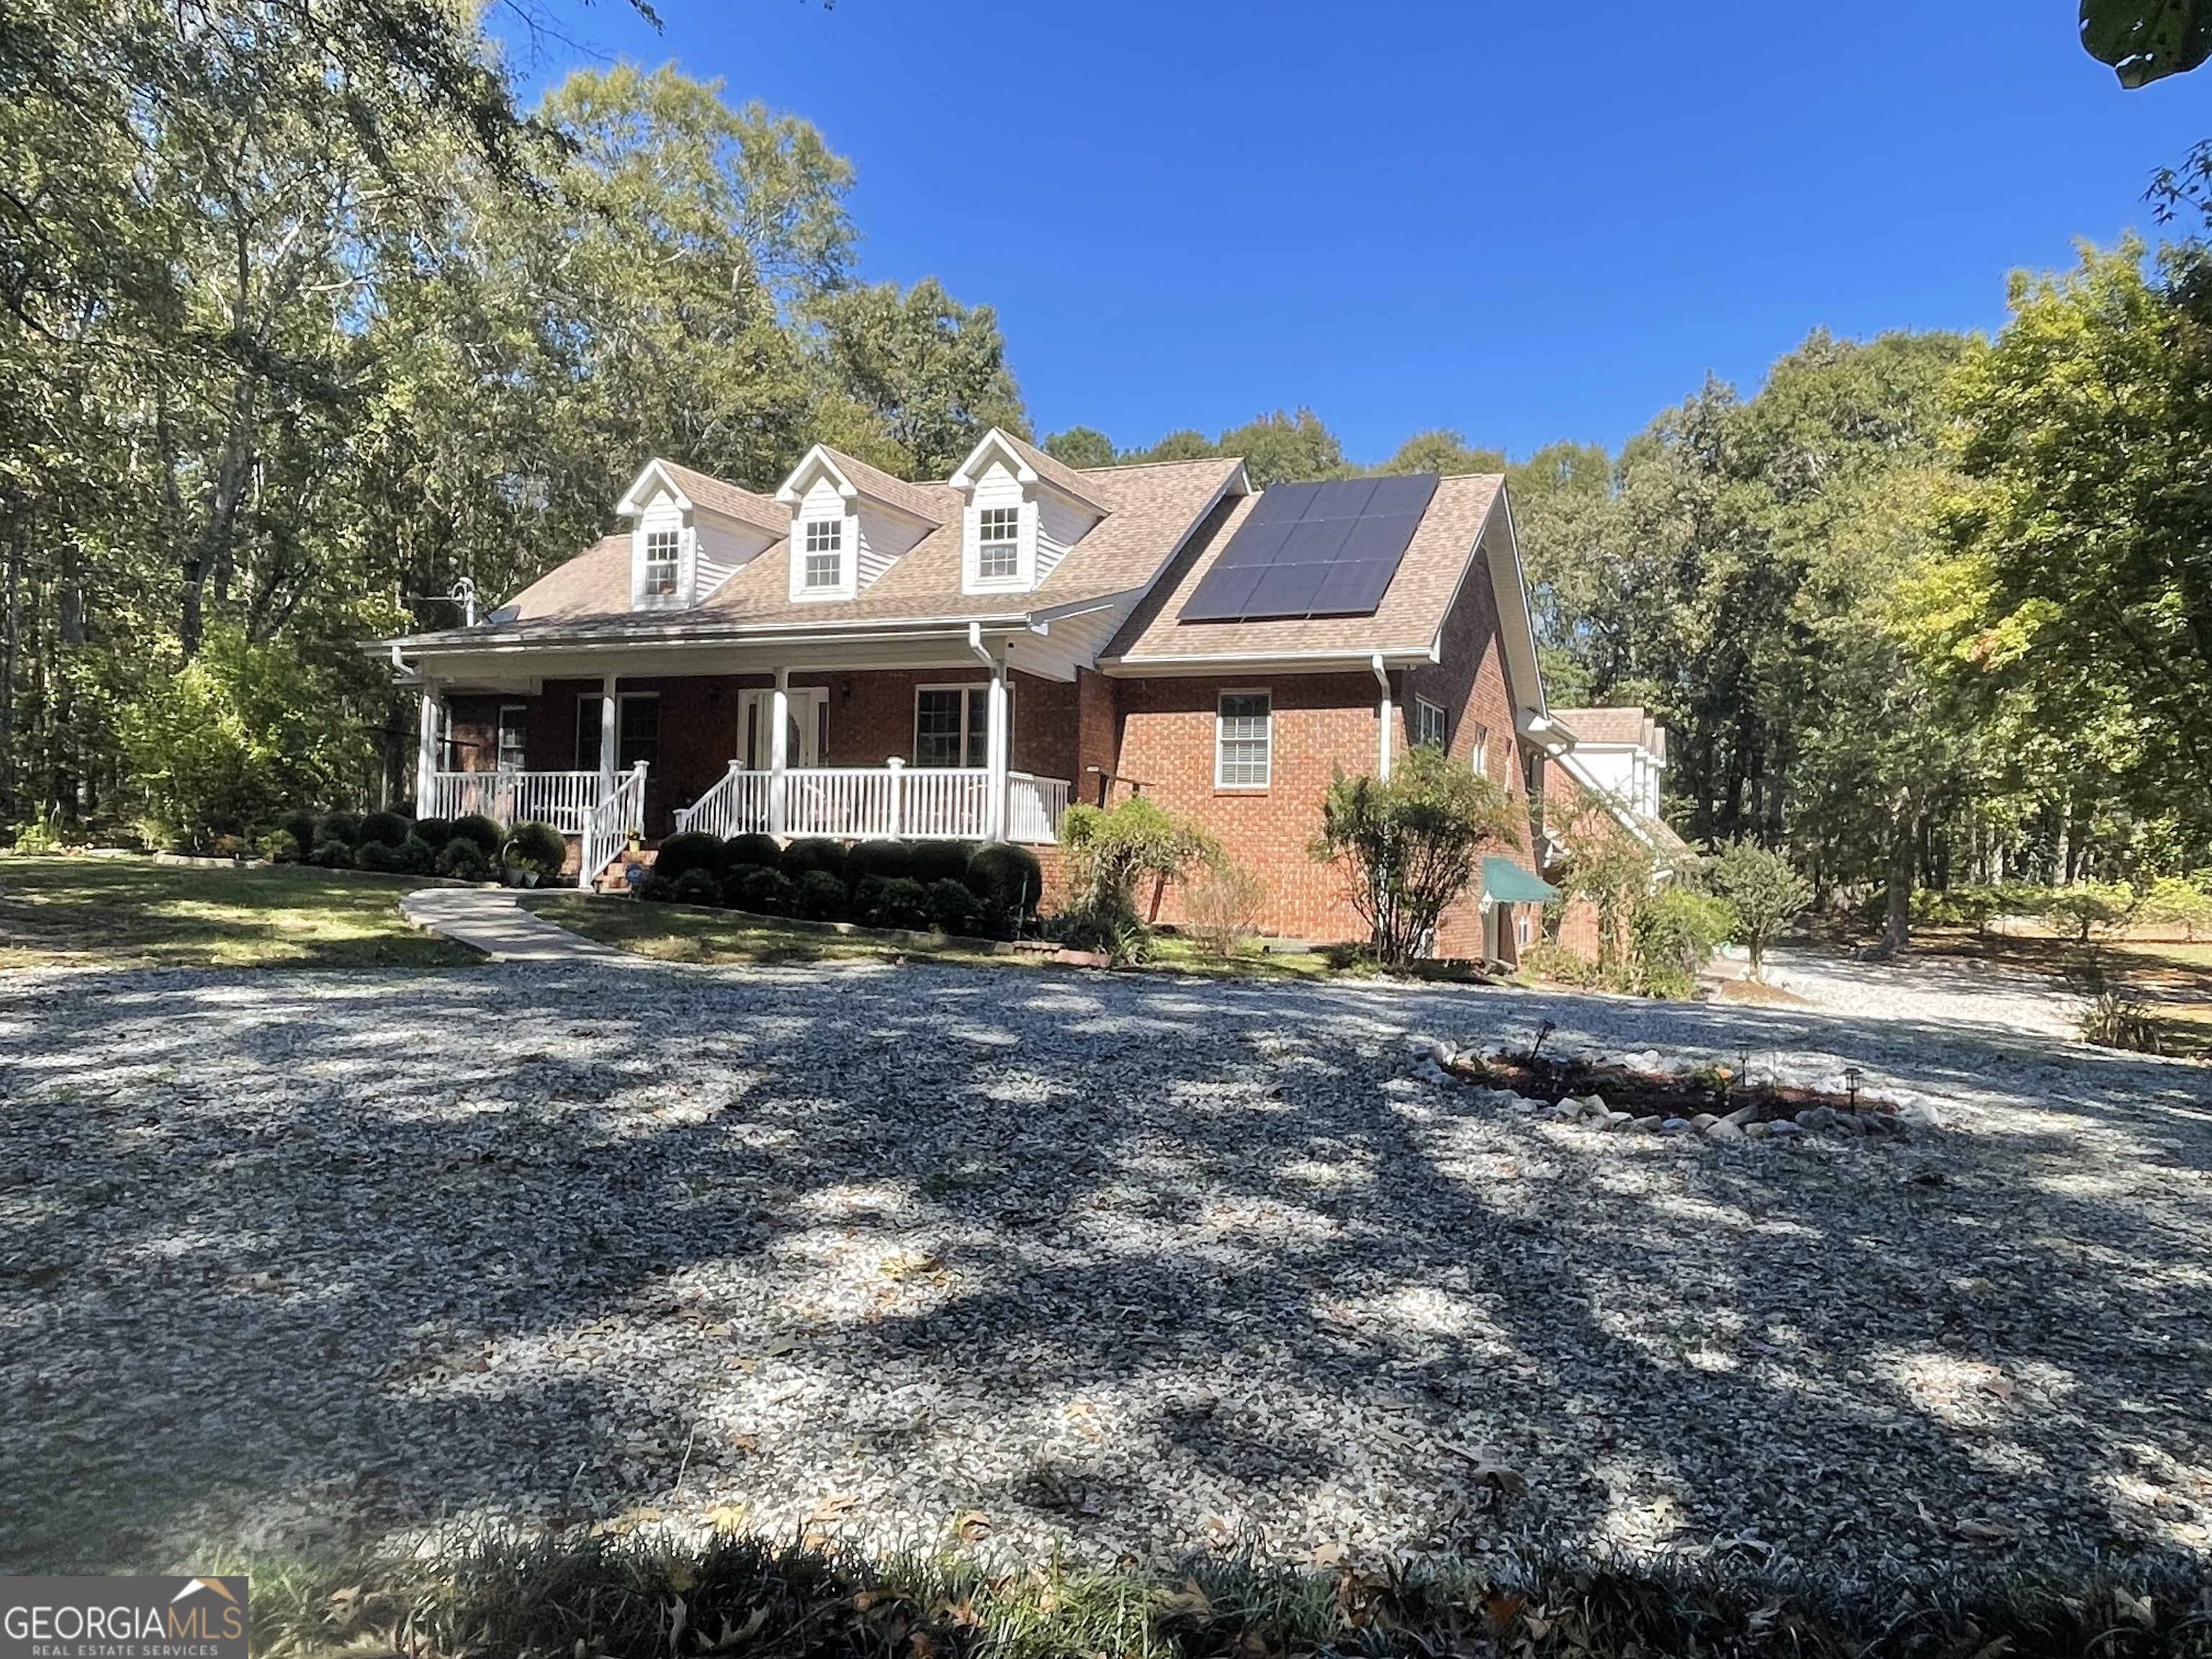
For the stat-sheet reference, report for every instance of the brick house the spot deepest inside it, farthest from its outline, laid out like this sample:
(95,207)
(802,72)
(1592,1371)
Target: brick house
(856,656)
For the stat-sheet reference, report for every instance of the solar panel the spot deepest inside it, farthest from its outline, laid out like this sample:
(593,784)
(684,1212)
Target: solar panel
(1313,549)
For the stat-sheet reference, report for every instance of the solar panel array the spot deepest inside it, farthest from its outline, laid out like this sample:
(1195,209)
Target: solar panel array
(1313,549)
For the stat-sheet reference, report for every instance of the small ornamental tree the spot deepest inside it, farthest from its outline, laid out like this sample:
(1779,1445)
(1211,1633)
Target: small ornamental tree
(1111,851)
(2090,904)
(1409,847)
(2182,901)
(1766,891)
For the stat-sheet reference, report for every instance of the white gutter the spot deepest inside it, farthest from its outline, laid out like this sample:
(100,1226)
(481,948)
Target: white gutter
(1382,679)
(1344,661)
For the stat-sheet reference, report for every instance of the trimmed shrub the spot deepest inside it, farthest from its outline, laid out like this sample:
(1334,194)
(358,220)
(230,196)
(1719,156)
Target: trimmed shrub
(931,861)
(814,853)
(751,853)
(656,890)
(380,856)
(331,855)
(537,847)
(483,833)
(416,857)
(342,827)
(822,896)
(389,828)
(1007,878)
(868,900)
(952,909)
(434,833)
(462,860)
(694,886)
(903,903)
(886,860)
(679,855)
(300,827)
(767,892)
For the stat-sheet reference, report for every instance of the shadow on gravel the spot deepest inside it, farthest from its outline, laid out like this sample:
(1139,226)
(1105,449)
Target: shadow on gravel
(1142,1267)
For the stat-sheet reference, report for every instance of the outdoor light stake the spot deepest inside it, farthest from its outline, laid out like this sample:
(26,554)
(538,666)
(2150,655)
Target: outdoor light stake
(1851,1075)
(1543,1030)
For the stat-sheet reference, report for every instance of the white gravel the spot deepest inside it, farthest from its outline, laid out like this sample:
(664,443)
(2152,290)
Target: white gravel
(1131,1266)
(1927,990)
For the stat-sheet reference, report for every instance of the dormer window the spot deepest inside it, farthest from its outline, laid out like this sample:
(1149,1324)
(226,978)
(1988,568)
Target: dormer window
(825,553)
(998,544)
(663,558)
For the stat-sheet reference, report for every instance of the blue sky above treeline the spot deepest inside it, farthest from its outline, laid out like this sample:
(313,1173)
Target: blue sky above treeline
(1528,222)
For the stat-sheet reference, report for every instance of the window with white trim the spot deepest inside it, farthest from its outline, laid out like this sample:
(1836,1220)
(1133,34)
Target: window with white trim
(1432,725)
(637,730)
(513,737)
(952,725)
(662,551)
(998,543)
(1478,755)
(825,553)
(1244,740)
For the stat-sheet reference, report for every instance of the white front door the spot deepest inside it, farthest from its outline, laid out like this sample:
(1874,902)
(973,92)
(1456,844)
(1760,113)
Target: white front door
(802,729)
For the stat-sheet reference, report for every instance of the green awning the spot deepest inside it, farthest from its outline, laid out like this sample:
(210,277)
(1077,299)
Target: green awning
(1509,884)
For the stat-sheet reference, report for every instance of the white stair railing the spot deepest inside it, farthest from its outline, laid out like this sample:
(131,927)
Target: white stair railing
(608,827)
(1034,806)
(736,806)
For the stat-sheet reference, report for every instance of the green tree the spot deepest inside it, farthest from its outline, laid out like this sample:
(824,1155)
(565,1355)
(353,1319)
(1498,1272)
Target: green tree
(1081,445)
(928,373)
(1445,451)
(1113,851)
(1765,893)
(2146,40)
(1407,847)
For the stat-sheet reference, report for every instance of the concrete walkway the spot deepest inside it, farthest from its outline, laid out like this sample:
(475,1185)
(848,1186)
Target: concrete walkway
(487,919)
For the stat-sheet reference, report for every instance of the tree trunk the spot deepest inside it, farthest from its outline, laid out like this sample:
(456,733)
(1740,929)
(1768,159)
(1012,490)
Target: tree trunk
(10,632)
(1904,861)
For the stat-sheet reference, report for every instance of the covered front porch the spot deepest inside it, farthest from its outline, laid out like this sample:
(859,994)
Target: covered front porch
(876,752)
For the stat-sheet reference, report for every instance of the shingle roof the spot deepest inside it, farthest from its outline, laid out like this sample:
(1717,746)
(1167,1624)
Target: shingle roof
(1412,610)
(1149,510)
(1629,723)
(1057,472)
(763,513)
(925,501)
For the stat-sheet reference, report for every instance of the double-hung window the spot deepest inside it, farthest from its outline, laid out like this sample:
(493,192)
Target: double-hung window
(1431,727)
(513,737)
(1244,740)
(952,725)
(1479,755)
(663,550)
(825,554)
(998,544)
(637,731)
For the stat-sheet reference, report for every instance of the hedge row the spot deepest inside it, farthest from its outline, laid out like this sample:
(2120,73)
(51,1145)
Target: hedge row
(471,848)
(952,887)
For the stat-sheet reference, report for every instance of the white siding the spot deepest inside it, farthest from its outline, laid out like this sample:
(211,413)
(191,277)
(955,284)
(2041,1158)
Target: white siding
(1059,527)
(997,487)
(883,539)
(659,513)
(722,549)
(822,502)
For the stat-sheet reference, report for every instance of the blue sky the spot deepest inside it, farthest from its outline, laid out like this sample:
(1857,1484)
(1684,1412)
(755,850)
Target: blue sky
(1525,222)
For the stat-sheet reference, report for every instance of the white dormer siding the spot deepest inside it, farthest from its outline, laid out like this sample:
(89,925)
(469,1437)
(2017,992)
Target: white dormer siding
(824,539)
(680,551)
(1059,527)
(662,558)
(1046,523)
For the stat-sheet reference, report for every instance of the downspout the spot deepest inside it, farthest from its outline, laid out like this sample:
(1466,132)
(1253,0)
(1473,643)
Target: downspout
(1382,679)
(998,740)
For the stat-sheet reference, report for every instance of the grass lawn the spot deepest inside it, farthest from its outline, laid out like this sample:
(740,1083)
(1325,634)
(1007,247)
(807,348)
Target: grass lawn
(77,911)
(686,933)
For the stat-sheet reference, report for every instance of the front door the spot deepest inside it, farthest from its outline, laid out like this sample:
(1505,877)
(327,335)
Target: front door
(807,707)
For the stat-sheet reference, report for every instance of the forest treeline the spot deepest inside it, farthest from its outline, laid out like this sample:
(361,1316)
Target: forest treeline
(303,320)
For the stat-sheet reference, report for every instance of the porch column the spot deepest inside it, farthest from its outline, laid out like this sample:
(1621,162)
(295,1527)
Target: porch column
(997,743)
(779,750)
(609,707)
(426,747)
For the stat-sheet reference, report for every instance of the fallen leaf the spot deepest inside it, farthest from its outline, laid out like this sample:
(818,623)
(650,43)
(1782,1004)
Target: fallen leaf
(1190,1601)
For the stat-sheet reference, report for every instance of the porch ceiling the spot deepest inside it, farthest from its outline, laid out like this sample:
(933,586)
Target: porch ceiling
(521,668)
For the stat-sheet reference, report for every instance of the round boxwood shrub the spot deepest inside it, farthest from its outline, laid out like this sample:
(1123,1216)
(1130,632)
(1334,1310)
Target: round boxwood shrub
(952,908)
(694,886)
(301,826)
(813,854)
(389,828)
(416,857)
(751,853)
(537,847)
(822,896)
(681,854)
(434,833)
(883,860)
(767,892)
(380,856)
(656,890)
(930,861)
(331,855)
(344,827)
(462,860)
(483,833)
(1007,878)
(904,902)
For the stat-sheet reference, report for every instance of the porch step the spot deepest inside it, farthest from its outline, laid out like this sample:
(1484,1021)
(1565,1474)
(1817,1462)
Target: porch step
(613,879)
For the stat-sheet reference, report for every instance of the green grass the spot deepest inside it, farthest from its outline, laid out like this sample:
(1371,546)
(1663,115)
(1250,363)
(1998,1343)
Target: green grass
(686,933)
(61,911)
(633,1596)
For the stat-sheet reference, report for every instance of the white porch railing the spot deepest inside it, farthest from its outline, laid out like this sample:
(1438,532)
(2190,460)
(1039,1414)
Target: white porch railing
(609,824)
(861,803)
(563,799)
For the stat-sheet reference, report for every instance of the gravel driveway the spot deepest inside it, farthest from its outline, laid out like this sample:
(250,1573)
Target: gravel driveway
(1130,1266)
